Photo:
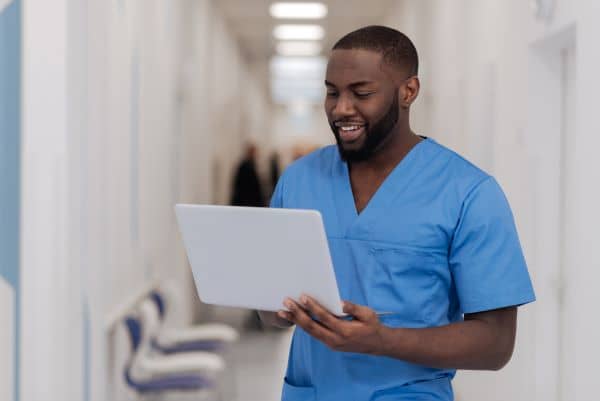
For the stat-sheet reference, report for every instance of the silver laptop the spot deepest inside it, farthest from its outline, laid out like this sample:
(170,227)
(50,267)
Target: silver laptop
(256,257)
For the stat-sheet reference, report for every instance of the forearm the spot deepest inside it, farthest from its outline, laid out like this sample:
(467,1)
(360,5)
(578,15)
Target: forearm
(472,344)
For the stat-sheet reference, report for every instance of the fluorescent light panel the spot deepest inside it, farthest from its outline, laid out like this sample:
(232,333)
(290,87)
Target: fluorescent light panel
(299,48)
(298,32)
(298,10)
(297,78)
(298,67)
(303,91)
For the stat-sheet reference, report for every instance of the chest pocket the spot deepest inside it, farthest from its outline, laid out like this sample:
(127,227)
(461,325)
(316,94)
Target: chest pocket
(401,281)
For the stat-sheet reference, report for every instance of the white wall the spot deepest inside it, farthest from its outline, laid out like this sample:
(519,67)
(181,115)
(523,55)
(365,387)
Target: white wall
(7,340)
(492,84)
(46,273)
(582,255)
(124,113)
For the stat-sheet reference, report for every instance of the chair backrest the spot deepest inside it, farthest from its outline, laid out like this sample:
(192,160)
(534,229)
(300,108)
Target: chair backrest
(158,299)
(142,329)
(141,326)
(171,294)
(150,321)
(134,329)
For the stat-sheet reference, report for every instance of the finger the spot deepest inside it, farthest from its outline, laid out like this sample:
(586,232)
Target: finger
(284,315)
(361,313)
(295,311)
(299,316)
(325,317)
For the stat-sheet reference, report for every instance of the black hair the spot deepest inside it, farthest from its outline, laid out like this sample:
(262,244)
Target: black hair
(397,49)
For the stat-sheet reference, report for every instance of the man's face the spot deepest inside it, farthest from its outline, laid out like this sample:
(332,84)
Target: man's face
(361,103)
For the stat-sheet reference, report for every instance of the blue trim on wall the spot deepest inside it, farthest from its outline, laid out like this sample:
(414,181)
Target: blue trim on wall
(10,156)
(134,148)
(87,333)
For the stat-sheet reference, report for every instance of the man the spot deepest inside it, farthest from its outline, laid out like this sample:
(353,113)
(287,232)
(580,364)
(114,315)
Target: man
(424,245)
(247,190)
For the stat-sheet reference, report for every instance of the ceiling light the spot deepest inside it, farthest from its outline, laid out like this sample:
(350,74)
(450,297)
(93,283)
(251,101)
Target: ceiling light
(298,10)
(294,78)
(298,48)
(298,67)
(298,32)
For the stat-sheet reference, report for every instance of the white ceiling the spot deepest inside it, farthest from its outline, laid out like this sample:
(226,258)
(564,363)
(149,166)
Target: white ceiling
(252,25)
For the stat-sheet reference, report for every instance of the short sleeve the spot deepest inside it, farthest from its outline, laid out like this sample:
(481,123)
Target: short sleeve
(277,197)
(485,257)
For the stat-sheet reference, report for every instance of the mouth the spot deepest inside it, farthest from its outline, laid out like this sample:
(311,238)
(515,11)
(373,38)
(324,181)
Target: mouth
(349,132)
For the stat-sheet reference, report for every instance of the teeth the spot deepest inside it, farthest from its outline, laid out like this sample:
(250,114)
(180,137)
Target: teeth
(351,128)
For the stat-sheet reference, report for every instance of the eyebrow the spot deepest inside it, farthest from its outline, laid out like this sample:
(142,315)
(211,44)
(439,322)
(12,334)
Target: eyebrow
(352,85)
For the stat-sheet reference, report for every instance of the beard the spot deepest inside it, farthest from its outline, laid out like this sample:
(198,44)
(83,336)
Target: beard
(375,137)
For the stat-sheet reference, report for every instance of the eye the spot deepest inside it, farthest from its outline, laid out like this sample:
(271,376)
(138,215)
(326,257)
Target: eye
(363,95)
(332,93)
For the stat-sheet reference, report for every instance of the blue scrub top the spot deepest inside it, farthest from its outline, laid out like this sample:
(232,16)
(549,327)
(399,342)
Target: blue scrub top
(436,241)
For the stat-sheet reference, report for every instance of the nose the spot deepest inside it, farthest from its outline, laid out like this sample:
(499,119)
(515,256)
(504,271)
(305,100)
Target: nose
(343,107)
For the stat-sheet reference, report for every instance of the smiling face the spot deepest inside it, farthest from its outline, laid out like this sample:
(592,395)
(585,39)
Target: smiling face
(362,103)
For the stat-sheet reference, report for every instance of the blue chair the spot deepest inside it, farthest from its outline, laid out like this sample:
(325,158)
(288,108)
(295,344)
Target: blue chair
(204,337)
(168,374)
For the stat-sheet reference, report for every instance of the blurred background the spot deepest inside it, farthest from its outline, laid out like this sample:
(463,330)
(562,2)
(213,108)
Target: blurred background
(112,111)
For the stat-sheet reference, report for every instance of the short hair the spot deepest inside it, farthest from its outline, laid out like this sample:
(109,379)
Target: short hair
(397,49)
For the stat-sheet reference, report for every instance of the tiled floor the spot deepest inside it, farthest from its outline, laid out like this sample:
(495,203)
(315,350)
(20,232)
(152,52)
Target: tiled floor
(260,359)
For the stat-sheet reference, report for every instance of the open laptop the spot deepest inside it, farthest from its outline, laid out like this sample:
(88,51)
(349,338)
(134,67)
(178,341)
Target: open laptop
(256,257)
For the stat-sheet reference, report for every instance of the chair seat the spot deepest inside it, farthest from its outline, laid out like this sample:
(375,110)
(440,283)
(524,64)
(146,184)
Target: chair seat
(202,345)
(205,363)
(170,383)
(202,332)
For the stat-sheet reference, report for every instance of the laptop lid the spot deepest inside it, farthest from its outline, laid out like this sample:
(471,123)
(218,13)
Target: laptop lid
(256,257)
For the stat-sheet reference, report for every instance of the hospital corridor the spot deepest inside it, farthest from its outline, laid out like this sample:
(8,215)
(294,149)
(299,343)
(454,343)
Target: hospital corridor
(114,111)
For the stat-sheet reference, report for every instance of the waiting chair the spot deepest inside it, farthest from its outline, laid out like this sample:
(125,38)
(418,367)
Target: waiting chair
(203,337)
(151,374)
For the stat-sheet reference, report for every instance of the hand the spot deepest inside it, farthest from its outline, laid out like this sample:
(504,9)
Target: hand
(363,334)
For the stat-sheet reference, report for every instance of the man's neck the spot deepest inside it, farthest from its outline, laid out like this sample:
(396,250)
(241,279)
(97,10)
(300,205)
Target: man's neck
(390,155)
(366,177)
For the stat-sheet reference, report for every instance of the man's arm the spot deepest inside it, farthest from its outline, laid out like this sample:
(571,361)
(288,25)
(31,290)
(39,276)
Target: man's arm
(483,341)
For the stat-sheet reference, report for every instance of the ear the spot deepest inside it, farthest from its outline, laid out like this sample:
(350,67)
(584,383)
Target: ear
(409,91)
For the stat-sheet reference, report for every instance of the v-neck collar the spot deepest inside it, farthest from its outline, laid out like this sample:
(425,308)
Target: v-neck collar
(396,181)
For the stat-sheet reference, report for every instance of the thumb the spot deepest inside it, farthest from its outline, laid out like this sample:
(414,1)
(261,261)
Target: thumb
(362,313)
